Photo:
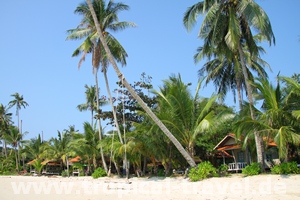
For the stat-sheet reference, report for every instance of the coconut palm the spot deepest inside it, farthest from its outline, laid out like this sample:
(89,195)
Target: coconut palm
(89,142)
(186,115)
(34,148)
(225,71)
(292,93)
(19,103)
(134,94)
(107,15)
(275,121)
(61,148)
(90,104)
(13,137)
(5,121)
(231,23)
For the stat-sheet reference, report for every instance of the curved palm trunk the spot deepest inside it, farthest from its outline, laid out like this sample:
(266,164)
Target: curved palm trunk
(258,139)
(188,158)
(99,124)
(112,105)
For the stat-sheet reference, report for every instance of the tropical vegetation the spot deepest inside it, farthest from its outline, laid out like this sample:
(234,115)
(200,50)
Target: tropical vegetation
(157,131)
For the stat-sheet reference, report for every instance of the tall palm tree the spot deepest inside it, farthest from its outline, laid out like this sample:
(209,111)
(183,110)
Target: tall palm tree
(107,15)
(230,24)
(19,103)
(134,94)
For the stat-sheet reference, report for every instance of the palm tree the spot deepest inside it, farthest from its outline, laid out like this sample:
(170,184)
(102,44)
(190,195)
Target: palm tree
(292,93)
(19,103)
(5,122)
(90,104)
(185,115)
(35,148)
(134,94)
(109,19)
(230,24)
(225,71)
(60,148)
(275,121)
(13,137)
(107,16)
(89,143)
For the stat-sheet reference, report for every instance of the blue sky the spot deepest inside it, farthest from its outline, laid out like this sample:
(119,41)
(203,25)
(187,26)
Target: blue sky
(36,59)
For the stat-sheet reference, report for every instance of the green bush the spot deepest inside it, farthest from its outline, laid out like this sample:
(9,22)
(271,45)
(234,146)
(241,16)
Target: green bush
(160,172)
(223,169)
(64,173)
(99,172)
(286,168)
(202,171)
(253,169)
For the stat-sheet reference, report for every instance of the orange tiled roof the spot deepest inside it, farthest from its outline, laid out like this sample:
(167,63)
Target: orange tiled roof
(30,162)
(76,159)
(229,147)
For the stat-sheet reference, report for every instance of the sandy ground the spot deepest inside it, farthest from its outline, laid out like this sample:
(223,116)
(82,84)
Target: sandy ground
(86,188)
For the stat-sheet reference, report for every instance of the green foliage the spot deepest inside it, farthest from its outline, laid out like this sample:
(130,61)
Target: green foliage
(202,171)
(7,166)
(99,172)
(253,169)
(64,173)
(286,168)
(38,166)
(160,172)
(223,169)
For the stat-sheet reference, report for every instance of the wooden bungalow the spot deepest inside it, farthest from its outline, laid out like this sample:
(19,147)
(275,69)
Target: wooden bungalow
(231,151)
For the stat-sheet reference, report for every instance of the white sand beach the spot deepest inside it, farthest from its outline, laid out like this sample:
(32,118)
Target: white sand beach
(285,187)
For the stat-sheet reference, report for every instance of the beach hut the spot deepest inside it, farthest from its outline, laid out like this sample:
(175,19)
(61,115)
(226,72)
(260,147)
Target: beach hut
(231,151)
(233,155)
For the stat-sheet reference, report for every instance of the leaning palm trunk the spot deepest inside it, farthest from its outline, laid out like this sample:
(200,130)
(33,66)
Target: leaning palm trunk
(99,124)
(258,139)
(112,105)
(115,115)
(188,158)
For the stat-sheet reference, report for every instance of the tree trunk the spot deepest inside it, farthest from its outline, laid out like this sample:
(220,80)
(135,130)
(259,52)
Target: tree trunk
(239,95)
(112,105)
(144,166)
(99,124)
(117,168)
(17,162)
(258,139)
(134,94)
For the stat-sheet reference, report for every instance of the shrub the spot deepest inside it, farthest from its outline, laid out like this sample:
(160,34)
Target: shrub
(286,168)
(223,169)
(253,169)
(64,173)
(202,171)
(99,172)
(160,172)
